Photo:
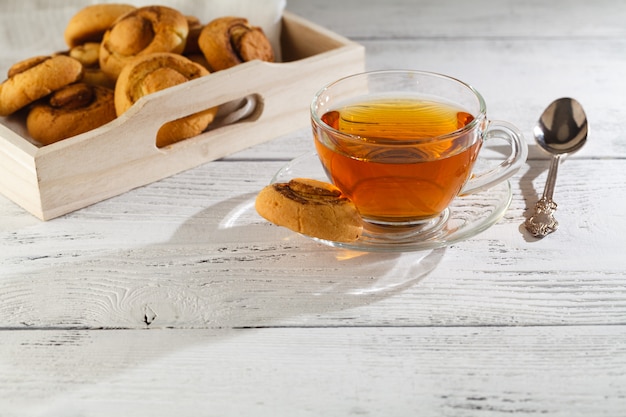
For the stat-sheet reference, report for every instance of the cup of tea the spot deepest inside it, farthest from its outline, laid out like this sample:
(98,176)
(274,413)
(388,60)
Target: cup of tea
(402,144)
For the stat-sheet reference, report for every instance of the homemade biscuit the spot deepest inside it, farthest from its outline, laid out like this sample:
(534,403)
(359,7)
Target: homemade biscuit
(90,23)
(195,27)
(88,55)
(72,110)
(310,207)
(142,31)
(228,41)
(34,78)
(154,72)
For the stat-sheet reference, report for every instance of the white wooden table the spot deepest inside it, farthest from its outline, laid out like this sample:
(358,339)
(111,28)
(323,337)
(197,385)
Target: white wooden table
(173,299)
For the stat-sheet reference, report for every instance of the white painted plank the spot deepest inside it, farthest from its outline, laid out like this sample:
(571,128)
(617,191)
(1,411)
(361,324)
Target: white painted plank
(190,251)
(426,334)
(555,371)
(369,19)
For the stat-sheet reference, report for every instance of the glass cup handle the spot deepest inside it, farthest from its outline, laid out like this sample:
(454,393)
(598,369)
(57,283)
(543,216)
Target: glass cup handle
(519,152)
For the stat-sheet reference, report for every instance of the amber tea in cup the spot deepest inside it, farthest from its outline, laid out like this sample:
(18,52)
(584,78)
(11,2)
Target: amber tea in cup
(402,144)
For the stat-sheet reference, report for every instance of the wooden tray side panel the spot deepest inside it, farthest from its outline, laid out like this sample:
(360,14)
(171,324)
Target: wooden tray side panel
(18,173)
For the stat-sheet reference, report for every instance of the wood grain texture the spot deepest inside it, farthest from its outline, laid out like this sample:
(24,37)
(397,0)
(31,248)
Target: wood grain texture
(204,258)
(176,298)
(313,372)
(455,18)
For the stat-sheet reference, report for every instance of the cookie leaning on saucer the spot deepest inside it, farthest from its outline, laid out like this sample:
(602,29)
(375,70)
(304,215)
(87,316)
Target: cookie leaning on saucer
(311,207)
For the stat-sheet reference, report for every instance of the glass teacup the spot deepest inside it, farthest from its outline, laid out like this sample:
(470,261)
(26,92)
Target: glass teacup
(402,144)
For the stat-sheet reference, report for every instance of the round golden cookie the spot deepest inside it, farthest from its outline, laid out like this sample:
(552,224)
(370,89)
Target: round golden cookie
(90,23)
(310,207)
(72,110)
(154,72)
(228,41)
(36,77)
(143,31)
(195,27)
(88,54)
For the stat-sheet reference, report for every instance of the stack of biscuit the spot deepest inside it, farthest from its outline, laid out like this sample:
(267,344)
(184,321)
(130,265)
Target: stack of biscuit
(117,54)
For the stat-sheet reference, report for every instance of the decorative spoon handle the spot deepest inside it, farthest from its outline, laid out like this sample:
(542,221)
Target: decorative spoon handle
(542,222)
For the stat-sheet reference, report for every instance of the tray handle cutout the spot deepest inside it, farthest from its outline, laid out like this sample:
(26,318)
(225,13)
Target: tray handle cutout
(248,108)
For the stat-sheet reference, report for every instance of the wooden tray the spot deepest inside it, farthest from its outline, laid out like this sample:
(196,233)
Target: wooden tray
(56,179)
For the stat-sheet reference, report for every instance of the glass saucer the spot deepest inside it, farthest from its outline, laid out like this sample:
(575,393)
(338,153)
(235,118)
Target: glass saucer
(466,217)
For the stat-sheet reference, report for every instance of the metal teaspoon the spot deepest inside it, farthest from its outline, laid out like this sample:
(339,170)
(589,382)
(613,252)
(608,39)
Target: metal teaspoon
(561,129)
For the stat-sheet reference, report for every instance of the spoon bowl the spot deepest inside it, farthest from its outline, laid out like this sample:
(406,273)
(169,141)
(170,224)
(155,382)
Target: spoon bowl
(562,129)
